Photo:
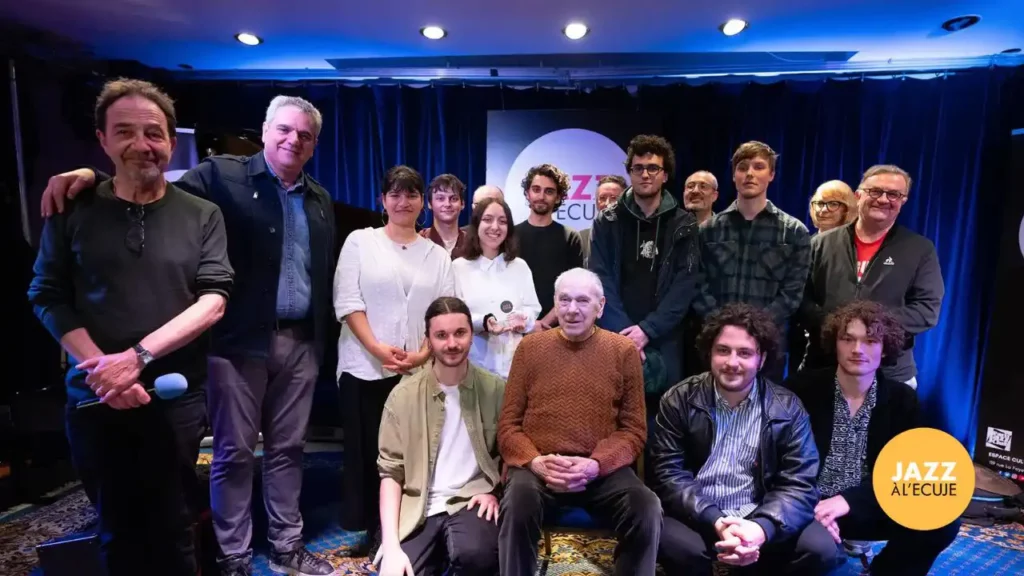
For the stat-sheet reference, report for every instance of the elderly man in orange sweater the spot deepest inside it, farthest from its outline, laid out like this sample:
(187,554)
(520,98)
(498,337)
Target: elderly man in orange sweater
(572,423)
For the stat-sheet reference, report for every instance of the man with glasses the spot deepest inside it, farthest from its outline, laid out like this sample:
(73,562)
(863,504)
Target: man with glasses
(699,195)
(129,279)
(446,198)
(646,252)
(753,252)
(873,258)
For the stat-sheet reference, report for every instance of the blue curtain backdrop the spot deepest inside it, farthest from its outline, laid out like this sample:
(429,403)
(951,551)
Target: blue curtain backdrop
(950,133)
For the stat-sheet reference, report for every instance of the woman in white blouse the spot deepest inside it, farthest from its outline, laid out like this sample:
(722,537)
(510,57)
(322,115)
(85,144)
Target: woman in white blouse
(385,280)
(497,286)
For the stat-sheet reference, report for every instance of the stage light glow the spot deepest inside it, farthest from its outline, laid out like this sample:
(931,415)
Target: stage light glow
(433,32)
(575,30)
(733,27)
(248,39)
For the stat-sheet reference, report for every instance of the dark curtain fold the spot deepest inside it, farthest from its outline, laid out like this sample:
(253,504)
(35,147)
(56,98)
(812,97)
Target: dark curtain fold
(950,133)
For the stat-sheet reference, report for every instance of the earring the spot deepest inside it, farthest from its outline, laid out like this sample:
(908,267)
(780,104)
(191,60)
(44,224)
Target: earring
(423,213)
(383,216)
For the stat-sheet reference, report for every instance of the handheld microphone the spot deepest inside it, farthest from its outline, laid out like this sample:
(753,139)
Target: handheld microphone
(166,387)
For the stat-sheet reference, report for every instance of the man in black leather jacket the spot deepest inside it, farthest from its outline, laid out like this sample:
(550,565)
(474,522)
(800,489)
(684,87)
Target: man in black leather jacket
(735,461)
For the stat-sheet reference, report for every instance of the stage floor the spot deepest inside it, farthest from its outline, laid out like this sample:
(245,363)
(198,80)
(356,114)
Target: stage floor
(990,551)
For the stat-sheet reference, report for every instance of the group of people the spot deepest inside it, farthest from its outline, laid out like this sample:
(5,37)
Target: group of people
(225,276)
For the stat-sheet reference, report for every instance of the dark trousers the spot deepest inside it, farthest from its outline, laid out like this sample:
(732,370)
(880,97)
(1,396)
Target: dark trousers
(619,500)
(272,394)
(362,404)
(908,552)
(138,467)
(463,542)
(687,549)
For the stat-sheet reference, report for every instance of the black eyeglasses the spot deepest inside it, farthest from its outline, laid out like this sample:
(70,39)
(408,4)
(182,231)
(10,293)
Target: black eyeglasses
(876,193)
(135,239)
(652,169)
(828,205)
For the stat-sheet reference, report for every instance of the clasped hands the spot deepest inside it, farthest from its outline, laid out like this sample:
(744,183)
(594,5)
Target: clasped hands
(114,378)
(741,540)
(565,473)
(397,360)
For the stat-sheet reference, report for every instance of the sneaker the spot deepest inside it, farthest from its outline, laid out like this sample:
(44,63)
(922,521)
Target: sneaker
(300,562)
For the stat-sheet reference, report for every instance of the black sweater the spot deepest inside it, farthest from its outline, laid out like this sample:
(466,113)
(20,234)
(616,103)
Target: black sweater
(86,275)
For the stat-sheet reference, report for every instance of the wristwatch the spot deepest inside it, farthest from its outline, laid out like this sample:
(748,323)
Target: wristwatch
(143,355)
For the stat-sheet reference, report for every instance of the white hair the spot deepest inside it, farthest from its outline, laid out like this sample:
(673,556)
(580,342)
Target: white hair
(583,276)
(486,188)
(281,101)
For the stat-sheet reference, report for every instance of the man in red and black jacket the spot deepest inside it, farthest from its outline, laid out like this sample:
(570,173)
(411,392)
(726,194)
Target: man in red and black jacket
(873,258)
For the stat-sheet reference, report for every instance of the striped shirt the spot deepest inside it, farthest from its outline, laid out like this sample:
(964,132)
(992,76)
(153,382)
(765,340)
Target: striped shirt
(727,478)
(846,464)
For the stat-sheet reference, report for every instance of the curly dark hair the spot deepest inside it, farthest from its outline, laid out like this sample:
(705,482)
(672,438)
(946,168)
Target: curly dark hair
(755,321)
(510,247)
(613,179)
(878,320)
(447,182)
(561,180)
(645,144)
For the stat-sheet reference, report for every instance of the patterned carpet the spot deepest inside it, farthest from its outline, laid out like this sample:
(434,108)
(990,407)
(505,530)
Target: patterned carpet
(989,551)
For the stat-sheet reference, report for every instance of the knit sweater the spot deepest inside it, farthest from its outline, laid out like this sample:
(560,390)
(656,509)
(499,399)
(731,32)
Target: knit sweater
(574,399)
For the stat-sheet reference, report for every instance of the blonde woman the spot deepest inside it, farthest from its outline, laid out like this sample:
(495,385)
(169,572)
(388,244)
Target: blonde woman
(833,205)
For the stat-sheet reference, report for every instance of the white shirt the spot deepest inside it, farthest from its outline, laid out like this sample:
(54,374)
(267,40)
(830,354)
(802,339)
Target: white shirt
(369,279)
(456,462)
(485,285)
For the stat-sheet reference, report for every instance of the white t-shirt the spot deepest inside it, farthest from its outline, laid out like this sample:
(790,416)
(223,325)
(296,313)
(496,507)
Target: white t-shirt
(456,463)
(411,256)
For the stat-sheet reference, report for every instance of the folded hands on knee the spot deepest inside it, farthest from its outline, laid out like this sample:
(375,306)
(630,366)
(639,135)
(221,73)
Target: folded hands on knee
(741,541)
(565,473)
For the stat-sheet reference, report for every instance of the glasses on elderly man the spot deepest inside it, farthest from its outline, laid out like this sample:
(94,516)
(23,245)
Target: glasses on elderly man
(827,205)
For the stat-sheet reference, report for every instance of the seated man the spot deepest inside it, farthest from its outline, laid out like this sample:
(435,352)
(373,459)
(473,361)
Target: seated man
(439,459)
(573,423)
(734,459)
(129,279)
(854,412)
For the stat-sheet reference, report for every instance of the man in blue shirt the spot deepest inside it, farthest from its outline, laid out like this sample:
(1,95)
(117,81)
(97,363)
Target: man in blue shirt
(267,350)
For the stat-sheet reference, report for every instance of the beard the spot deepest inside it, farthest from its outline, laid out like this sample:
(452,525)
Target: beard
(451,358)
(540,208)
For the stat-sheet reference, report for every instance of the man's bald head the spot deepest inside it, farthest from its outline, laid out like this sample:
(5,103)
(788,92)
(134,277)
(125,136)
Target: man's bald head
(487,191)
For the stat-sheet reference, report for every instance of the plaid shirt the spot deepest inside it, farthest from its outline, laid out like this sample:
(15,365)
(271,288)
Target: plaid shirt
(763,262)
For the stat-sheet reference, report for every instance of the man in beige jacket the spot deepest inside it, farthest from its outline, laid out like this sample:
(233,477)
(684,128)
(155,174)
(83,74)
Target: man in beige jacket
(438,459)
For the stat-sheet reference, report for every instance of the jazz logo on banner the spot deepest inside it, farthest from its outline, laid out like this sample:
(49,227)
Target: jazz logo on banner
(923,479)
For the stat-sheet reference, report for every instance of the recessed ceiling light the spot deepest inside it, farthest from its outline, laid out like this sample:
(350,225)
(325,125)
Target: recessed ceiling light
(248,39)
(433,32)
(575,30)
(733,26)
(961,22)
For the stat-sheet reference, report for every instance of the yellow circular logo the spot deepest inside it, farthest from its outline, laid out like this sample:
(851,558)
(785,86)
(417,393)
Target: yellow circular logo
(923,479)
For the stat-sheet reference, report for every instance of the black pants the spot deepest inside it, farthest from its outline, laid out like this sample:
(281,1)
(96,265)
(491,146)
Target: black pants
(908,552)
(687,549)
(362,404)
(138,467)
(463,542)
(619,500)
